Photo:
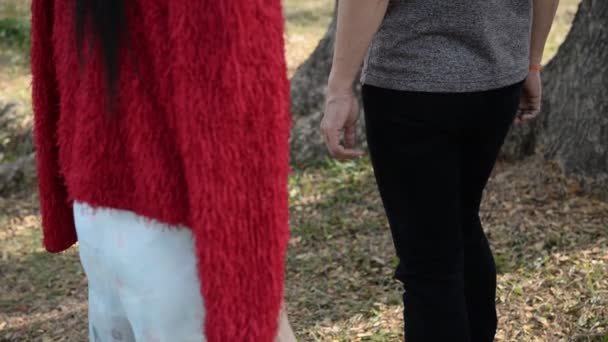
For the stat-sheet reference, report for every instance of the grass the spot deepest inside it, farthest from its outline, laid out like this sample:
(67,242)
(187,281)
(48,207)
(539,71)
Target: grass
(550,244)
(547,291)
(15,76)
(307,21)
(14,33)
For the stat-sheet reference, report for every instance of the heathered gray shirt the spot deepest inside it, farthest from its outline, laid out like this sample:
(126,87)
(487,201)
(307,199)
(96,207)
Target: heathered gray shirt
(450,45)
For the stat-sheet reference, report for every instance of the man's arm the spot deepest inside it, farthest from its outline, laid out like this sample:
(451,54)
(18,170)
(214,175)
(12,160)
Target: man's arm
(544,14)
(358,22)
(542,20)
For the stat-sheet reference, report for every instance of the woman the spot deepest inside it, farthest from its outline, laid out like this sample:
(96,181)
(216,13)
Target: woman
(161,132)
(442,83)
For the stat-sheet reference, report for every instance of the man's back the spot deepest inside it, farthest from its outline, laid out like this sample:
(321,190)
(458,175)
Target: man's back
(450,46)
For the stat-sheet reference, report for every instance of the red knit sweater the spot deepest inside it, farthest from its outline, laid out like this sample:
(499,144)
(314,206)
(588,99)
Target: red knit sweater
(199,137)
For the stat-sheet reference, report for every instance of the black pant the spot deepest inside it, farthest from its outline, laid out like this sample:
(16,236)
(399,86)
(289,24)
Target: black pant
(432,155)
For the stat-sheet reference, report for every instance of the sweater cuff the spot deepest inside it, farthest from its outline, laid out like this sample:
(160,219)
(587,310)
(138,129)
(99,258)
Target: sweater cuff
(59,231)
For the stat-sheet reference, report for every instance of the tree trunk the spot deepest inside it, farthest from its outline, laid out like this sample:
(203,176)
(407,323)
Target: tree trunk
(575,133)
(17,158)
(521,142)
(17,174)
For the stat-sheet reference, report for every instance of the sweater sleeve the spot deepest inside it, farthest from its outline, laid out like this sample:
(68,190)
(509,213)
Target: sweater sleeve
(231,102)
(56,210)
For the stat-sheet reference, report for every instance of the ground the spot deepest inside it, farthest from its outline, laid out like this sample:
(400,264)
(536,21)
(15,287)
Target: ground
(550,240)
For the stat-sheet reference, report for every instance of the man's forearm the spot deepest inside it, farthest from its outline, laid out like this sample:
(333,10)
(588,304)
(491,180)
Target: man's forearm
(358,22)
(544,13)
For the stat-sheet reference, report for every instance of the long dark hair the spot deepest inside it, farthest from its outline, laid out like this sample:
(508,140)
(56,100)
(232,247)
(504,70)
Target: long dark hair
(103,24)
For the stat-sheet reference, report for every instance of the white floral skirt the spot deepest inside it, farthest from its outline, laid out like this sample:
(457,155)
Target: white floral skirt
(143,278)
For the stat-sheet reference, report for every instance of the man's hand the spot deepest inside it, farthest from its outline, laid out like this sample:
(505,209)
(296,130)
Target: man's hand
(531,98)
(341,116)
(542,19)
(358,22)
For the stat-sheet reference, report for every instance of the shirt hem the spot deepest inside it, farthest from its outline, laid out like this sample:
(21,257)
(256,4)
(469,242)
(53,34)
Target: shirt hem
(443,86)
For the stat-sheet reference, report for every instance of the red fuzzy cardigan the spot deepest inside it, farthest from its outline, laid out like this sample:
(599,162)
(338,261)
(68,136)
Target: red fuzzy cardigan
(198,137)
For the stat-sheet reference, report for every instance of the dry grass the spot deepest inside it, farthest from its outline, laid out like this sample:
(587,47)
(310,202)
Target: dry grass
(550,243)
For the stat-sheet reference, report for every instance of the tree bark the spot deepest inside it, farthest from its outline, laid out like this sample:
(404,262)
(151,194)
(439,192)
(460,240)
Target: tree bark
(521,142)
(575,131)
(17,158)
(17,174)
(15,131)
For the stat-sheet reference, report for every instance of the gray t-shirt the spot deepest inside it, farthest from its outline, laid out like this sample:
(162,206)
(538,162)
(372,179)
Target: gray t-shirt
(450,45)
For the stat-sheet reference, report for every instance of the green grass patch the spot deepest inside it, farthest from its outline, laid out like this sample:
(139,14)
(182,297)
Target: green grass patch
(15,33)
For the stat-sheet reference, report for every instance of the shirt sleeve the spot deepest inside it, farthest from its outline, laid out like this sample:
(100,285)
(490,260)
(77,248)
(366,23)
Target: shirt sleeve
(56,210)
